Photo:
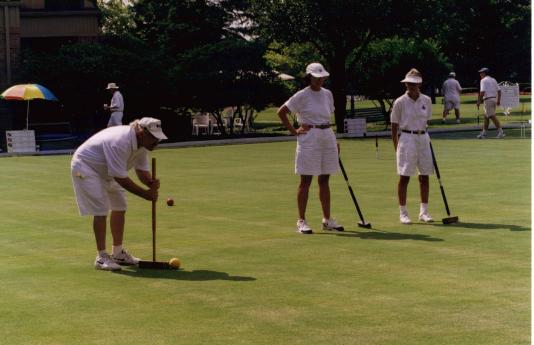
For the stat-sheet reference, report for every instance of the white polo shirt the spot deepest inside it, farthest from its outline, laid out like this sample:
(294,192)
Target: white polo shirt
(489,86)
(312,107)
(117,102)
(112,152)
(451,89)
(412,115)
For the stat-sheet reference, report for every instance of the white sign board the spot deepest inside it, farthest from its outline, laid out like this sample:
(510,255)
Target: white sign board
(356,127)
(20,141)
(509,96)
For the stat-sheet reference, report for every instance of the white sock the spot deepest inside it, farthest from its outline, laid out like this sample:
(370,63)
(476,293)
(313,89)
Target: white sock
(423,208)
(403,210)
(117,249)
(101,252)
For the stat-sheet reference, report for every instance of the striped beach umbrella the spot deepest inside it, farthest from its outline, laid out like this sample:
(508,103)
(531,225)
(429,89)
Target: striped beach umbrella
(27,92)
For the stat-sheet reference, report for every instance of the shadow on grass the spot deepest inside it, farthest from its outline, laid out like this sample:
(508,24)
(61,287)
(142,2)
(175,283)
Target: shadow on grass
(485,226)
(196,275)
(383,235)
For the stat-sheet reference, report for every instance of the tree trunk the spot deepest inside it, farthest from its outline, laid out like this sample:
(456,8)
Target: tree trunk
(338,77)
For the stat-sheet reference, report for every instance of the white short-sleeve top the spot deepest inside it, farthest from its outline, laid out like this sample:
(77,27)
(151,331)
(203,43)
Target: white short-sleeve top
(412,115)
(312,107)
(489,86)
(451,89)
(117,102)
(112,152)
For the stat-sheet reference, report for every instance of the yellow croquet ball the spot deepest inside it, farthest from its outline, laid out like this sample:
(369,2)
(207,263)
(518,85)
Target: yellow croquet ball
(175,263)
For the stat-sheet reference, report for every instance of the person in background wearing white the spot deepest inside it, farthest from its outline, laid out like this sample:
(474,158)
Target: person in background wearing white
(99,169)
(116,107)
(409,118)
(317,150)
(490,95)
(451,90)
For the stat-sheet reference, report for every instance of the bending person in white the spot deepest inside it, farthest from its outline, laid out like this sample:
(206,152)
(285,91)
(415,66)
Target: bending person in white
(317,151)
(100,179)
(409,118)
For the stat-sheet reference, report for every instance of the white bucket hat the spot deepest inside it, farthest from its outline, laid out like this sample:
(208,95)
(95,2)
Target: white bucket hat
(452,74)
(112,86)
(413,76)
(153,126)
(317,70)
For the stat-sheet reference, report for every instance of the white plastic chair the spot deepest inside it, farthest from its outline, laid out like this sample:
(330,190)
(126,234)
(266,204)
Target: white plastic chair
(201,123)
(238,124)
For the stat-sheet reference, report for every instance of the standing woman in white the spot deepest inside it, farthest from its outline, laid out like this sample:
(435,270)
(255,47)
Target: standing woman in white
(317,150)
(409,117)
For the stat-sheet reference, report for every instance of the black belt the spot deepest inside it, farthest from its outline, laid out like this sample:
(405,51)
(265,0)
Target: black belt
(413,132)
(318,126)
(488,98)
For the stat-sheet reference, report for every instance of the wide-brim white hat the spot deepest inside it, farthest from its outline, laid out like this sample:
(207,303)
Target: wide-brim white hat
(112,86)
(317,70)
(153,126)
(413,76)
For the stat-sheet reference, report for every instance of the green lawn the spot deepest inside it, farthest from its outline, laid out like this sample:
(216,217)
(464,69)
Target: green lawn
(267,121)
(249,278)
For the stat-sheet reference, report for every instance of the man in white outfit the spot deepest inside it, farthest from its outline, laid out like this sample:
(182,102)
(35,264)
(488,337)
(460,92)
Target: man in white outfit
(451,90)
(116,107)
(409,118)
(490,95)
(99,169)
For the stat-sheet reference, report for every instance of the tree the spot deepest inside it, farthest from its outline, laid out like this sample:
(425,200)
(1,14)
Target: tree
(377,73)
(336,29)
(494,33)
(117,17)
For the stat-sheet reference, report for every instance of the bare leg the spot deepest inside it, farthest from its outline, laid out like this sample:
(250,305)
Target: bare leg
(424,188)
(99,228)
(486,124)
(302,194)
(116,223)
(402,189)
(324,195)
(495,122)
(457,113)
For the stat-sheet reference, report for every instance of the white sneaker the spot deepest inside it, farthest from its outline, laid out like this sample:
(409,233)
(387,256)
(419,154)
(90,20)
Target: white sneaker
(104,262)
(426,217)
(481,136)
(404,219)
(500,135)
(303,227)
(125,258)
(330,224)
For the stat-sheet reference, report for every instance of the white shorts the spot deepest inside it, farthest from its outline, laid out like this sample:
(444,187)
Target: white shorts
(490,107)
(452,104)
(94,195)
(414,155)
(316,153)
(115,119)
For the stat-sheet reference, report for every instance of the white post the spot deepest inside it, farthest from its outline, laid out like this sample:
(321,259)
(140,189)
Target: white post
(27,113)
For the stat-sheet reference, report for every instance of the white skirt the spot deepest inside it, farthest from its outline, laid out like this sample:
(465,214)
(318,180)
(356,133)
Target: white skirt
(317,153)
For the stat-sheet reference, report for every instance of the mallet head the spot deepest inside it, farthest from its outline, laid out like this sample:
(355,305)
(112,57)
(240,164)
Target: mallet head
(450,220)
(364,225)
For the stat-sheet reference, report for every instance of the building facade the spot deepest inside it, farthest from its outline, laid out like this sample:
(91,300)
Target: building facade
(42,25)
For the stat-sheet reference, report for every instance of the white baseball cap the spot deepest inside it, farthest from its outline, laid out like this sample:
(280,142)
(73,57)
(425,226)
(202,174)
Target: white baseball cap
(317,70)
(112,86)
(483,70)
(452,74)
(413,76)
(153,126)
